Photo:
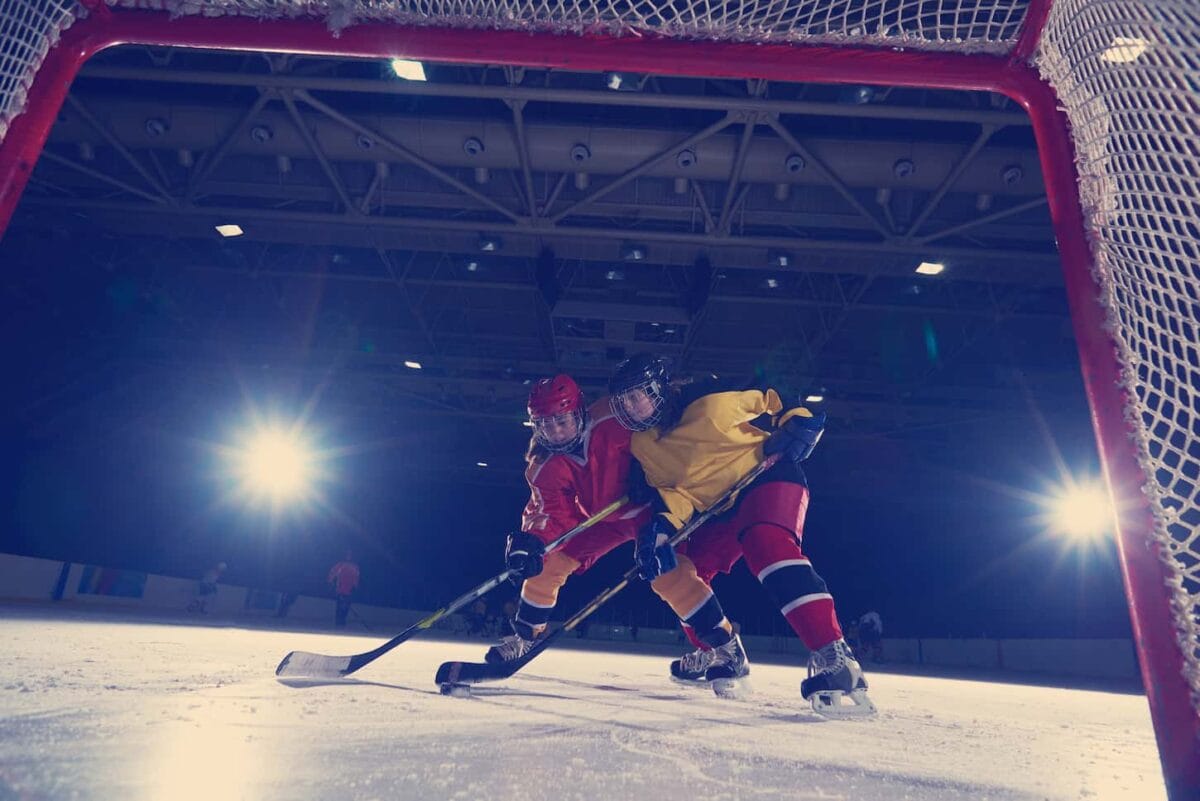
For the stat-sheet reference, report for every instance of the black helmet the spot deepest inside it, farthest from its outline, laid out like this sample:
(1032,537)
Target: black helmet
(640,391)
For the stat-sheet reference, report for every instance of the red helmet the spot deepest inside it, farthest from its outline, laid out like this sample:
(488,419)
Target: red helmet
(557,413)
(551,397)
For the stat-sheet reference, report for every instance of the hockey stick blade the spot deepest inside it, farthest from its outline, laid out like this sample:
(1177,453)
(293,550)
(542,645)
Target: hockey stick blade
(476,672)
(470,672)
(313,666)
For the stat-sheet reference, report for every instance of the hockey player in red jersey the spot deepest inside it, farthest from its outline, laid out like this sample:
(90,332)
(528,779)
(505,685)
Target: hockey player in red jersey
(578,463)
(691,445)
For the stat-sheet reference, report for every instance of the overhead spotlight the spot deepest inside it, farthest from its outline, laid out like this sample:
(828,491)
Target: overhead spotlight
(1080,510)
(623,81)
(771,283)
(864,94)
(779,258)
(930,267)
(262,134)
(230,230)
(580,153)
(686,158)
(411,365)
(156,126)
(1011,174)
(615,275)
(408,70)
(489,244)
(904,168)
(1124,49)
(473,265)
(794,163)
(814,399)
(275,464)
(481,464)
(472,146)
(364,142)
(633,252)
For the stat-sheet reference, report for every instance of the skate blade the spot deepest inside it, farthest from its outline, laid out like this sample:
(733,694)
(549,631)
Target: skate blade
(455,690)
(836,704)
(732,688)
(700,682)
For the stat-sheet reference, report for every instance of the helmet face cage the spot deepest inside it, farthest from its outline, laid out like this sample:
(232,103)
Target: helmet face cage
(639,407)
(547,430)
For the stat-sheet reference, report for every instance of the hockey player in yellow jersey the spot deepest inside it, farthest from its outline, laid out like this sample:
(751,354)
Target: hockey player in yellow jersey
(691,444)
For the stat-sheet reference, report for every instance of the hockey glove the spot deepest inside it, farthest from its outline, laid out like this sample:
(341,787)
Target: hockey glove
(654,554)
(797,437)
(523,554)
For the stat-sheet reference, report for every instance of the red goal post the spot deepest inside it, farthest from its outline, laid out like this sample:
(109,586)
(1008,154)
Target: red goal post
(1112,90)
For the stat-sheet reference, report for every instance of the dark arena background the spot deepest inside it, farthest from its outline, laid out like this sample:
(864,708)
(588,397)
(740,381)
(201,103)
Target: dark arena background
(372,260)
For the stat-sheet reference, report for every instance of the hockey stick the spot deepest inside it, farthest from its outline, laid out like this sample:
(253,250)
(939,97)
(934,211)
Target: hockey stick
(453,674)
(310,665)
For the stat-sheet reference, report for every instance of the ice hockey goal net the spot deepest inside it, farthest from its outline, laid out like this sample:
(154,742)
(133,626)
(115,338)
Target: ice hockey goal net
(1112,86)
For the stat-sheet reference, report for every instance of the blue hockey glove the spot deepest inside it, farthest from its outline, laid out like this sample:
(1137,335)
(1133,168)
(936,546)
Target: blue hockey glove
(797,437)
(523,554)
(654,554)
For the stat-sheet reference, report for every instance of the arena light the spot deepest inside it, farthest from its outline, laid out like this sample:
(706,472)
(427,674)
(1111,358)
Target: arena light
(411,365)
(275,464)
(814,399)
(408,70)
(1081,511)
(230,230)
(930,267)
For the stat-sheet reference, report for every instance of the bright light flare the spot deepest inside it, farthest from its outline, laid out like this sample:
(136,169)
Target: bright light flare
(277,465)
(1080,511)
(408,70)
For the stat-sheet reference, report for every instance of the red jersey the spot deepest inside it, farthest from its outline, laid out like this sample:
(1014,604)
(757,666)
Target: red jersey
(344,577)
(567,488)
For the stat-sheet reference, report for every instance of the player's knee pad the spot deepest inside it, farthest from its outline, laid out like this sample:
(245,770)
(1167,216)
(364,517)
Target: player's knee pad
(542,589)
(682,589)
(764,544)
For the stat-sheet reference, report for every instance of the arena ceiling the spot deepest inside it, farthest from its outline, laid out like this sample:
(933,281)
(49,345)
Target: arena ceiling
(495,225)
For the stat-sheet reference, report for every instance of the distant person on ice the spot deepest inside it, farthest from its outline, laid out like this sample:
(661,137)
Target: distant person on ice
(870,635)
(691,445)
(206,589)
(344,578)
(577,463)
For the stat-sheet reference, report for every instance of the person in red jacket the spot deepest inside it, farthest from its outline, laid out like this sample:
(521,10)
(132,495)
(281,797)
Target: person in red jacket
(344,578)
(578,463)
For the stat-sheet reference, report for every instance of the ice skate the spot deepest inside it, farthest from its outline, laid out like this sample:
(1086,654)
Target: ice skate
(730,670)
(512,646)
(691,668)
(835,684)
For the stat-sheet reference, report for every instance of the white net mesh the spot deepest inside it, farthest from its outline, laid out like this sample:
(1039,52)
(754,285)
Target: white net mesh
(1128,74)
(28,29)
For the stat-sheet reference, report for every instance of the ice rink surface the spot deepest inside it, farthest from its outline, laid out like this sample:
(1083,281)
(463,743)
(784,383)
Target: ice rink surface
(102,707)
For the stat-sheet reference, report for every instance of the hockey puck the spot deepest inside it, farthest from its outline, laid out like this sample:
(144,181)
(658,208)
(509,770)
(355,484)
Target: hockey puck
(456,690)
